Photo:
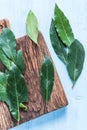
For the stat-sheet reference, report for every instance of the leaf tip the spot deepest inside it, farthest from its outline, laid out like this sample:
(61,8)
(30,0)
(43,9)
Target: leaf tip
(73,84)
(56,5)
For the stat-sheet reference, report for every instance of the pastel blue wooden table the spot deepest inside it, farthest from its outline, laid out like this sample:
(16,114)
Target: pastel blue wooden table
(74,116)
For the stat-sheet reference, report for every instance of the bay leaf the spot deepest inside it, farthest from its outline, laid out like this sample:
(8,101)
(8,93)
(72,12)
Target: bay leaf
(8,43)
(57,44)
(63,27)
(32,26)
(3,82)
(16,90)
(20,61)
(47,78)
(5,59)
(76,57)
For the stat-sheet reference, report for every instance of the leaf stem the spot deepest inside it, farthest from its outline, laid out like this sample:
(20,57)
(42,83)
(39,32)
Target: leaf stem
(18,122)
(21,105)
(73,84)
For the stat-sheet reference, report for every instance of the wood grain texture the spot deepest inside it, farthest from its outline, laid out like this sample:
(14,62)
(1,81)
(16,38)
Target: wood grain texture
(33,56)
(4,23)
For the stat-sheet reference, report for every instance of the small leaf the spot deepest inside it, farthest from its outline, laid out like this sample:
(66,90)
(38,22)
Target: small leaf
(20,61)
(32,26)
(76,57)
(57,44)
(47,78)
(8,43)
(63,27)
(3,81)
(16,90)
(5,59)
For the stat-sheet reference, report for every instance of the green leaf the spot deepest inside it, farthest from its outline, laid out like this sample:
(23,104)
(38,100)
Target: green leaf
(32,26)
(20,61)
(57,44)
(8,43)
(3,82)
(5,59)
(63,27)
(76,57)
(47,78)
(16,90)
(13,89)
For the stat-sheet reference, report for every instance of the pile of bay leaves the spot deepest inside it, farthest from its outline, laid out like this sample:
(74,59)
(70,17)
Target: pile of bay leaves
(67,48)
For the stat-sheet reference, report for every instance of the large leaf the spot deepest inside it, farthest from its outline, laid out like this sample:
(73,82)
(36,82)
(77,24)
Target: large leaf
(16,91)
(75,60)
(63,27)
(57,44)
(3,81)
(32,26)
(5,59)
(47,78)
(8,43)
(20,61)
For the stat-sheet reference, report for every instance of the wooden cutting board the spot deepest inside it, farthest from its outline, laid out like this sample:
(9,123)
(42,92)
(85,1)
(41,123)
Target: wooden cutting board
(33,56)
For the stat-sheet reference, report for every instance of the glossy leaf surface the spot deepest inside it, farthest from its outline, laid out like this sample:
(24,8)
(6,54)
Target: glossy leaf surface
(16,90)
(57,44)
(3,82)
(20,61)
(63,27)
(8,43)
(5,59)
(76,57)
(47,78)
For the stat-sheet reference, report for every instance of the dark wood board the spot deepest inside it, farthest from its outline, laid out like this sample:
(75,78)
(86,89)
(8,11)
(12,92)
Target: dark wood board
(33,56)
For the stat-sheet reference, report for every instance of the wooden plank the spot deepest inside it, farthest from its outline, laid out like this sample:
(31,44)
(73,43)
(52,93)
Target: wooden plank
(34,56)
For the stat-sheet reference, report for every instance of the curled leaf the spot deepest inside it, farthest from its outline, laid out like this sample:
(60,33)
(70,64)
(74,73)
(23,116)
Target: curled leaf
(47,78)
